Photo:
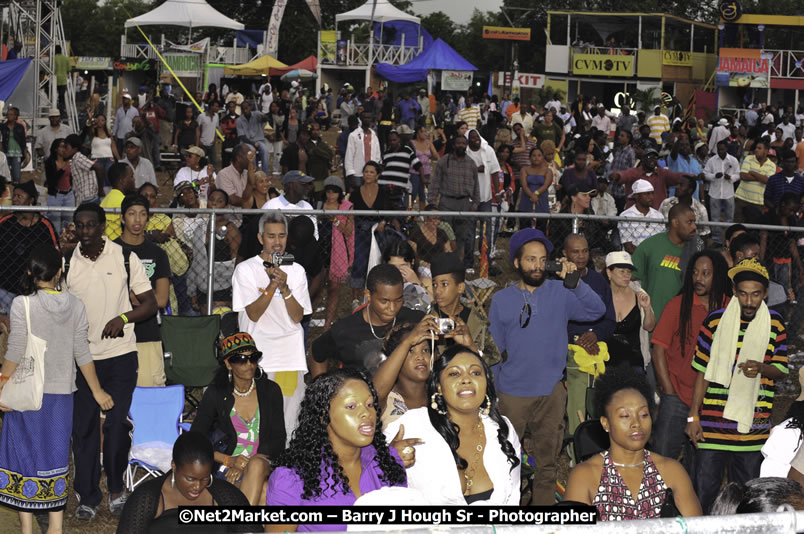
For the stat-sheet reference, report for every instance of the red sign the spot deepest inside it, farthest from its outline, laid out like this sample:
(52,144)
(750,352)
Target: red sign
(524,79)
(742,64)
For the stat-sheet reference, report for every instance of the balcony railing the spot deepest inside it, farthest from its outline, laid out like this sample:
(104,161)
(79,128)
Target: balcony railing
(786,63)
(226,55)
(357,54)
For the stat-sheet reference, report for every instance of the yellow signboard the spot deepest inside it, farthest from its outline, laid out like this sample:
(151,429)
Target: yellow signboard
(501,32)
(676,58)
(603,65)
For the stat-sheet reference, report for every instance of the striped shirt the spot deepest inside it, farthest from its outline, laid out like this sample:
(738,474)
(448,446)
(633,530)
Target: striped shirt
(397,166)
(85,182)
(658,125)
(721,434)
(754,192)
(470,114)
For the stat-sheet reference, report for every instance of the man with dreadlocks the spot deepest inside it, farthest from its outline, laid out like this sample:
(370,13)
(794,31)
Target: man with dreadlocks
(706,288)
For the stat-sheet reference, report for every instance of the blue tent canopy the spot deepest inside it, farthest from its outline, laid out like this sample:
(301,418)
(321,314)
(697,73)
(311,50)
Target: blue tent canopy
(391,32)
(11,72)
(439,56)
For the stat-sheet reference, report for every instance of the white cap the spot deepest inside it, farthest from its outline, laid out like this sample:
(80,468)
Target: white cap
(619,258)
(294,83)
(641,186)
(723,122)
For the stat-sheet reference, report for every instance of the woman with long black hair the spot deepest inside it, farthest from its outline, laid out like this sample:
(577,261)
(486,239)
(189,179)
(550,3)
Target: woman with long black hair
(338,452)
(59,183)
(242,412)
(469,451)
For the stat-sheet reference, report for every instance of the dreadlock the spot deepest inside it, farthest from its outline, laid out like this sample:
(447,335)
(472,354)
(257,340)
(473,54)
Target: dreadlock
(721,288)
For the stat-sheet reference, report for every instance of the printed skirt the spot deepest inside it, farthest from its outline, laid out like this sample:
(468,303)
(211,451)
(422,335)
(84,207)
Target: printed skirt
(35,455)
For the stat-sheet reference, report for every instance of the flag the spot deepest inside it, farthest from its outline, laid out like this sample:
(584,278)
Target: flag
(490,89)
(315,7)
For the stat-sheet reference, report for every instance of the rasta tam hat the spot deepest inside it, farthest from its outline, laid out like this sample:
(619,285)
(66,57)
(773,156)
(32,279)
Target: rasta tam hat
(749,269)
(236,344)
(523,237)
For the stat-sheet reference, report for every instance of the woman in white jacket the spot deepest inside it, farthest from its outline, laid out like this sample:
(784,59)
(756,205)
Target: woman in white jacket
(470,453)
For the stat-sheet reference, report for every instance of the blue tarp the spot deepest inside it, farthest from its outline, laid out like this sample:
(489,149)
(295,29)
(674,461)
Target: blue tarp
(439,56)
(250,38)
(393,30)
(11,72)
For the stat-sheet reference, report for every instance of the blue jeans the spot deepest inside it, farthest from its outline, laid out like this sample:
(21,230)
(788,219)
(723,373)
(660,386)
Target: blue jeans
(668,437)
(60,218)
(718,207)
(417,186)
(742,467)
(15,166)
(106,163)
(263,150)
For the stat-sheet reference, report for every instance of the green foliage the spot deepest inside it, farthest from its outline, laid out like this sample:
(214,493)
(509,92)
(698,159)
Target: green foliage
(645,99)
(93,29)
(546,94)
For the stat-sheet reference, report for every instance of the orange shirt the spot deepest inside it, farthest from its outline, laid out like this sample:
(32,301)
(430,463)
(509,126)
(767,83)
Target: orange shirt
(800,155)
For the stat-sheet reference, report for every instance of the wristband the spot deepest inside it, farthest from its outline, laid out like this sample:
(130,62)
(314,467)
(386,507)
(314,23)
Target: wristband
(123,316)
(290,296)
(226,461)
(693,418)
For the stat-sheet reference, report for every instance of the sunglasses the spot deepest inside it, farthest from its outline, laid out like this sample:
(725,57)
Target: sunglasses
(254,357)
(524,314)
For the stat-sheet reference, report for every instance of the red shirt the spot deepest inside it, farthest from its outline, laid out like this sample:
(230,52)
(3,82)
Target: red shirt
(668,335)
(660,179)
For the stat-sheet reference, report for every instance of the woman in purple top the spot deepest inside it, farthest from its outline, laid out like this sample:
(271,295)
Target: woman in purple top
(535,180)
(337,453)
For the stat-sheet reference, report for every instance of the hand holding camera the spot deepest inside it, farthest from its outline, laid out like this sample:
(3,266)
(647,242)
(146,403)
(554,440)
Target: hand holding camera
(566,270)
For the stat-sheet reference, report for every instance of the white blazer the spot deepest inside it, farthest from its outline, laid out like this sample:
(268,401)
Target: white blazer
(434,474)
(355,158)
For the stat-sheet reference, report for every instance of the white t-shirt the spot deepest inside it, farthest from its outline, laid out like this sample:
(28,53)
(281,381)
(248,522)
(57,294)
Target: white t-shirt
(281,203)
(278,337)
(484,156)
(637,232)
(186,174)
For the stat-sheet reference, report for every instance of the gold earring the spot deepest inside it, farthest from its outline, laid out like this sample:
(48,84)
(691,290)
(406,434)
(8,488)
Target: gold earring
(485,410)
(434,404)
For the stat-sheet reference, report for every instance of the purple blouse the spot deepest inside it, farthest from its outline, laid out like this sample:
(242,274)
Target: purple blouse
(285,488)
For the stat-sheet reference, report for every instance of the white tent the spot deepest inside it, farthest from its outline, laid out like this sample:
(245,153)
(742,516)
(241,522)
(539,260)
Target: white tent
(190,13)
(384,12)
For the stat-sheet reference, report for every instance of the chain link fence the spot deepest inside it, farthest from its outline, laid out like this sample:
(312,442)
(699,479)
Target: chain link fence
(338,248)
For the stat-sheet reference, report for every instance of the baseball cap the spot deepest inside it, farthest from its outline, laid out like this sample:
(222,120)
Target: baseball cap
(619,258)
(581,187)
(522,237)
(54,112)
(181,186)
(334,181)
(749,269)
(134,141)
(296,176)
(404,129)
(650,150)
(126,95)
(641,186)
(698,145)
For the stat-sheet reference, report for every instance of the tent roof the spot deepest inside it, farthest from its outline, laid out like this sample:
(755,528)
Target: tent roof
(255,67)
(384,12)
(190,13)
(438,56)
(310,63)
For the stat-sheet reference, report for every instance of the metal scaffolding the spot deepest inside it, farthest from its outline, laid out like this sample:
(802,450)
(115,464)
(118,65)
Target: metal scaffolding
(37,24)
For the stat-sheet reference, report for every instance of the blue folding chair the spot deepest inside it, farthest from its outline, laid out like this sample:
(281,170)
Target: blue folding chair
(156,414)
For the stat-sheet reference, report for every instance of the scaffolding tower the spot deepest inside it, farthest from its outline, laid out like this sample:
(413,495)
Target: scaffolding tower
(37,24)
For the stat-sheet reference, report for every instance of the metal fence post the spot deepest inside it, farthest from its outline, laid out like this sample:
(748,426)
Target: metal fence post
(211,262)
(575,225)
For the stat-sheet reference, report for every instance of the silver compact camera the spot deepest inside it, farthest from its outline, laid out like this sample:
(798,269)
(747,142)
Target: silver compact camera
(445,325)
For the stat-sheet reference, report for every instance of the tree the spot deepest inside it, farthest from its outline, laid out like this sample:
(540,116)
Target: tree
(439,24)
(104,41)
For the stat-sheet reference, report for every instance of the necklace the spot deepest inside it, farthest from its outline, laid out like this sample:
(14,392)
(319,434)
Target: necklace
(469,472)
(244,393)
(616,464)
(93,257)
(371,326)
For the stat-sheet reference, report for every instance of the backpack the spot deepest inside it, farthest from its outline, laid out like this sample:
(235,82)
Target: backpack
(126,263)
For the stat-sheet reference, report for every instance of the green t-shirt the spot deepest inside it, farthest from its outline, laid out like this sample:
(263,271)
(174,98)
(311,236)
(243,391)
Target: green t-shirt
(14,148)
(542,132)
(656,262)
(61,64)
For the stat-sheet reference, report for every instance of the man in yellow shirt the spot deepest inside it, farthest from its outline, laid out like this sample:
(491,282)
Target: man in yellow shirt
(749,199)
(122,179)
(659,124)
